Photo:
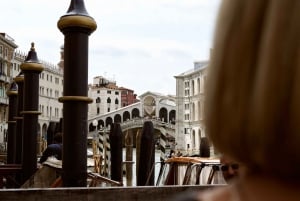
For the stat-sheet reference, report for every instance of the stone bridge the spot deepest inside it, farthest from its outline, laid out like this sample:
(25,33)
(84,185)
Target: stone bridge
(158,108)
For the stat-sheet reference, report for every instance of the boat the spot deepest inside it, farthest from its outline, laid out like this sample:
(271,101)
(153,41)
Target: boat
(186,170)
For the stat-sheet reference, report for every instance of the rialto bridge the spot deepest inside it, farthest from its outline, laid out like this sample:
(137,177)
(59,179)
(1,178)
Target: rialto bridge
(158,108)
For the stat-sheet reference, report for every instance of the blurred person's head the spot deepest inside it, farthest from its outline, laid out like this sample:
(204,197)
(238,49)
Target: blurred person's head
(229,168)
(253,89)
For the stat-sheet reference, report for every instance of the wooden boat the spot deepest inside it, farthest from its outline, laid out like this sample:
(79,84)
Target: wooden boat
(190,171)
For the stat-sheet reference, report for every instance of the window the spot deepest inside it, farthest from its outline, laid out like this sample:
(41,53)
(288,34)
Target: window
(56,112)
(108,100)
(187,92)
(116,93)
(98,100)
(116,101)
(186,130)
(56,80)
(187,84)
(43,110)
(1,68)
(187,106)
(109,92)
(98,91)
(98,110)
(1,49)
(56,93)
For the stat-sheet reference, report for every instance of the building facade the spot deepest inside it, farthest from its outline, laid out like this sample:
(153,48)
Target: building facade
(190,128)
(7,48)
(108,97)
(128,97)
(50,89)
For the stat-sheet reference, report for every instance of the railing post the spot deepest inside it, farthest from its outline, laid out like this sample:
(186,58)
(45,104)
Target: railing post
(12,93)
(76,25)
(19,79)
(31,69)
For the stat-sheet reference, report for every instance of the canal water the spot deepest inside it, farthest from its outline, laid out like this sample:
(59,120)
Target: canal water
(157,166)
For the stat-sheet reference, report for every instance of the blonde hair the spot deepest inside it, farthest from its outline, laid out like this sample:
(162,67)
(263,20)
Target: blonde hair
(253,95)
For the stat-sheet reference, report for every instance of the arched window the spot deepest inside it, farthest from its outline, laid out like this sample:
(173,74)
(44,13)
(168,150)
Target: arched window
(198,85)
(116,101)
(193,87)
(98,100)
(108,100)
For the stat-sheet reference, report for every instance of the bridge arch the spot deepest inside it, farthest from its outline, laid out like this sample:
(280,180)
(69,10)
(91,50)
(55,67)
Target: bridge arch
(126,116)
(135,113)
(163,114)
(172,116)
(108,121)
(117,118)
(100,123)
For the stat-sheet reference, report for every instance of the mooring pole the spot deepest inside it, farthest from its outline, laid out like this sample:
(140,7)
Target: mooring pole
(137,152)
(116,154)
(12,93)
(19,79)
(76,25)
(31,69)
(146,157)
(129,157)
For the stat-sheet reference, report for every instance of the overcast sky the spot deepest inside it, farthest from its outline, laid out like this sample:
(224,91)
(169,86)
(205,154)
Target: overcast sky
(142,44)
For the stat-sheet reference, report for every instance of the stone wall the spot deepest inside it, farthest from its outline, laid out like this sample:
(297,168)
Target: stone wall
(165,193)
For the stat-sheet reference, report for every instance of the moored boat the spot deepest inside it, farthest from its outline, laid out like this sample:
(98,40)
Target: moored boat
(190,171)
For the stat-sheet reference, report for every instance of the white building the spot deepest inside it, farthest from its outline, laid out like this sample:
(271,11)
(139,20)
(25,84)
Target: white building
(106,96)
(7,47)
(50,89)
(190,128)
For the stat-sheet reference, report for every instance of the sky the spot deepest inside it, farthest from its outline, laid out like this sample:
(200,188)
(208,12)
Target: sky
(141,44)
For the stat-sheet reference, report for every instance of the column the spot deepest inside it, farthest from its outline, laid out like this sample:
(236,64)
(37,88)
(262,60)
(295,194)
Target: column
(76,25)
(12,93)
(31,69)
